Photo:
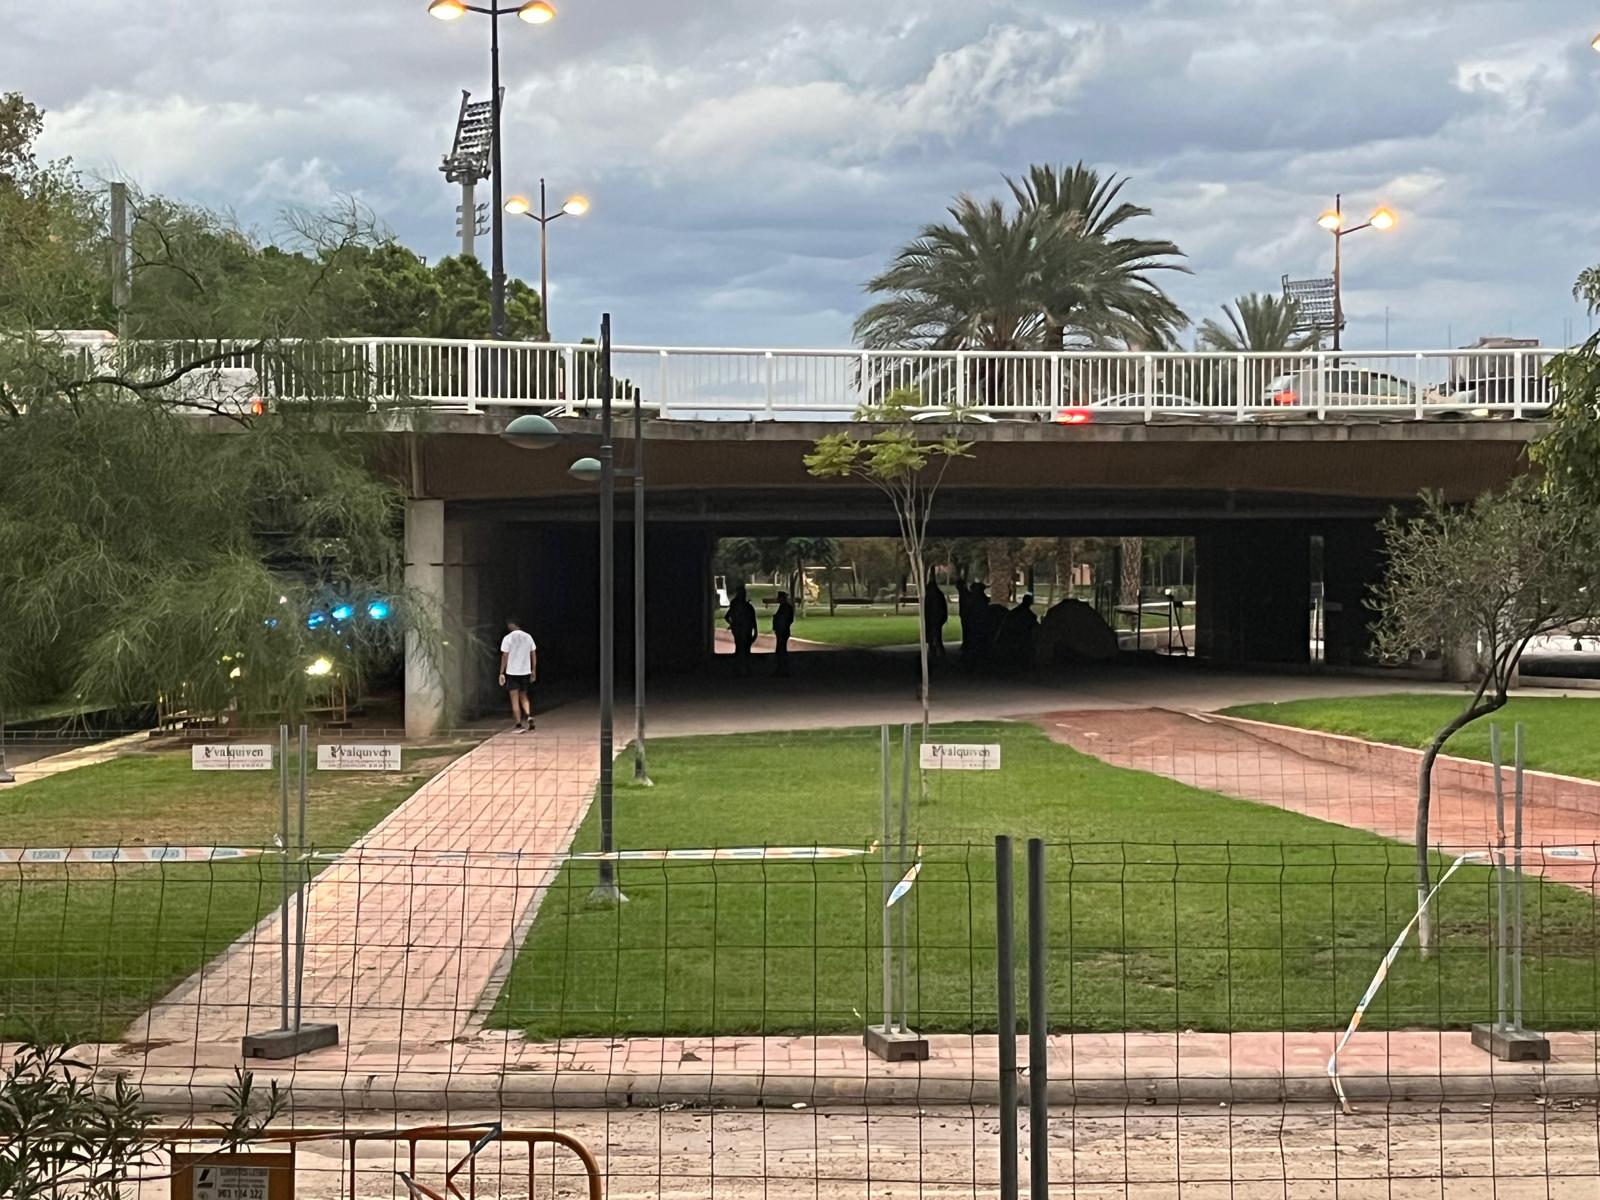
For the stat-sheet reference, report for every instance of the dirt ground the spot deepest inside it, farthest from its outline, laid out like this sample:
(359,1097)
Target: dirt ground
(1523,1151)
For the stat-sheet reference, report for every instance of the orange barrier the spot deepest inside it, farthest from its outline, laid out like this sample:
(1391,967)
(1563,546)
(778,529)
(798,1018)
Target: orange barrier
(477,1137)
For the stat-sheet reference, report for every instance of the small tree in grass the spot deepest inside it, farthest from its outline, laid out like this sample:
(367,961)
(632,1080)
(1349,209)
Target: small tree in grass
(906,469)
(1489,576)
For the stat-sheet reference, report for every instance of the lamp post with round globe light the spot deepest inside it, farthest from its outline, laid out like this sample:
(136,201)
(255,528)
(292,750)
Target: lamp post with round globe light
(521,206)
(534,432)
(1333,221)
(534,12)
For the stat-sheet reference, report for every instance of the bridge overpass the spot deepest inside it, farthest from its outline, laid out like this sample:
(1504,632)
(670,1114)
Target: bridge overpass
(1058,449)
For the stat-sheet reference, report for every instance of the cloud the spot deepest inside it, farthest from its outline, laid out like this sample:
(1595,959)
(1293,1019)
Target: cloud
(750,166)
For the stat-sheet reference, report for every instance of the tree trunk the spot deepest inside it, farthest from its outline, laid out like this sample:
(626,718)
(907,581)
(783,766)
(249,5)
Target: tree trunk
(833,605)
(1066,556)
(1425,930)
(1132,571)
(1002,570)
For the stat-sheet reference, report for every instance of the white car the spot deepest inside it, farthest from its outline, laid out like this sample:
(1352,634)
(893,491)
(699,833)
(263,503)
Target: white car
(1341,386)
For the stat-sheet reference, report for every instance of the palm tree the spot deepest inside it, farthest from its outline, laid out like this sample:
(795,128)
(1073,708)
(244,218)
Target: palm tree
(1107,294)
(976,283)
(1259,323)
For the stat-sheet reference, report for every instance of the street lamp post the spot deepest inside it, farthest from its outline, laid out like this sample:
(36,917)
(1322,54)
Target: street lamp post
(520,206)
(1333,221)
(534,12)
(5,772)
(537,432)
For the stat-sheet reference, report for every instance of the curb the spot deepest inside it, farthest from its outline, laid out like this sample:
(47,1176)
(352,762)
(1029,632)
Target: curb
(204,1090)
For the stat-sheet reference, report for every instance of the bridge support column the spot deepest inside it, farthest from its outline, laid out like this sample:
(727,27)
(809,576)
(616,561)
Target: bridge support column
(1352,562)
(1253,593)
(425,577)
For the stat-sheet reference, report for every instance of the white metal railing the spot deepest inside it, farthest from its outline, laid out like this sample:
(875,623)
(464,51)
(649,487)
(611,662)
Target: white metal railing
(722,383)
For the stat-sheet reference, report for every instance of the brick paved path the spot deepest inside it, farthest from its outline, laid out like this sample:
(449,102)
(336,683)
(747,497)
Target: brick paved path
(400,953)
(1379,794)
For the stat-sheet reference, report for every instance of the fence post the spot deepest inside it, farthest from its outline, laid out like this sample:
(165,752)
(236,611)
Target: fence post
(661,403)
(893,1041)
(1038,1030)
(1505,1039)
(283,834)
(471,349)
(901,866)
(771,384)
(1006,1022)
(1240,382)
(293,1035)
(302,885)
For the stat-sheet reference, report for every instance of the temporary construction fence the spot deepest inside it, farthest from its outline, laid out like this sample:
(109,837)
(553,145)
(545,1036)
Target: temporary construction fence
(1205,947)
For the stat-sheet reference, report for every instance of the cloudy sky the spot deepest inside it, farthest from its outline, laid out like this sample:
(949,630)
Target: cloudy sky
(751,163)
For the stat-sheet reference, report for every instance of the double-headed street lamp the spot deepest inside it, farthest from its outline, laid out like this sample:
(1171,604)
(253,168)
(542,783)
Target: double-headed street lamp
(535,12)
(1333,221)
(520,206)
(534,432)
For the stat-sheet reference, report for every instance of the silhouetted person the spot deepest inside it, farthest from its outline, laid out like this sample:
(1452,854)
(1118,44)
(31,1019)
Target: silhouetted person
(782,623)
(1013,641)
(741,620)
(935,612)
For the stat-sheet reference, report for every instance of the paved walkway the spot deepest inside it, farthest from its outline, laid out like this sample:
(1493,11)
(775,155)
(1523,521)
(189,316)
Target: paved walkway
(1380,795)
(78,756)
(401,953)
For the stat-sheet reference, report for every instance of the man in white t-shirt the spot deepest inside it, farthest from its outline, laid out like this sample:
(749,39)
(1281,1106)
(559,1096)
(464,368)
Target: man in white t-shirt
(519,667)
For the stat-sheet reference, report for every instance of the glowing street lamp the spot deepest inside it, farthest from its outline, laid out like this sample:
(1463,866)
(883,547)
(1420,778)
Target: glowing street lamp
(535,12)
(521,206)
(1382,218)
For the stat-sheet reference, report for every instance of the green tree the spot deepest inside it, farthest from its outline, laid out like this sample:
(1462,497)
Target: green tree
(908,471)
(1105,289)
(978,282)
(1488,578)
(150,552)
(20,123)
(1258,322)
(1569,454)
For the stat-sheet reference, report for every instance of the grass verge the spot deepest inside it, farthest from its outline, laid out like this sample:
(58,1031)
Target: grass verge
(1168,907)
(85,948)
(1563,732)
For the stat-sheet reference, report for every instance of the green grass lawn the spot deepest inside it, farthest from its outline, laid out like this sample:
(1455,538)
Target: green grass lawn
(861,628)
(85,948)
(1563,732)
(849,627)
(1169,907)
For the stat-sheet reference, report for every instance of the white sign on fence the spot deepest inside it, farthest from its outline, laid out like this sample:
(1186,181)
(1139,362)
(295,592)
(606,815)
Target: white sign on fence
(957,756)
(351,756)
(208,757)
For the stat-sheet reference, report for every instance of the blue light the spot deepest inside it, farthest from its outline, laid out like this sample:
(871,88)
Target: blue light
(343,613)
(271,622)
(316,619)
(378,610)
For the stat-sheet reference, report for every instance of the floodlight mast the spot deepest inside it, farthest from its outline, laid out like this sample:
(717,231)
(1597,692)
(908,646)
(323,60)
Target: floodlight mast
(468,163)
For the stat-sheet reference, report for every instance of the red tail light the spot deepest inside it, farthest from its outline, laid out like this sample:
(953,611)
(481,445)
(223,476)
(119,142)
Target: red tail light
(1287,396)
(1074,416)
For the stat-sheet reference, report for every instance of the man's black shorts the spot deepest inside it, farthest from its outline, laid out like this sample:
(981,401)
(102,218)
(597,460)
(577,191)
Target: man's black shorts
(519,683)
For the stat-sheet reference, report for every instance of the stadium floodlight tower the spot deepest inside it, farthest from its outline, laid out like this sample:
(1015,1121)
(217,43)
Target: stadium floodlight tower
(468,164)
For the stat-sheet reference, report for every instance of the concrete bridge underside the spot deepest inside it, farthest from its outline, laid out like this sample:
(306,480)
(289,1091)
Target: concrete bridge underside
(493,529)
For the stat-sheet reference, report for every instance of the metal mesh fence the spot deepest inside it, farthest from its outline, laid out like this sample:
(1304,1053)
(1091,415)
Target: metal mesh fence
(1216,904)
